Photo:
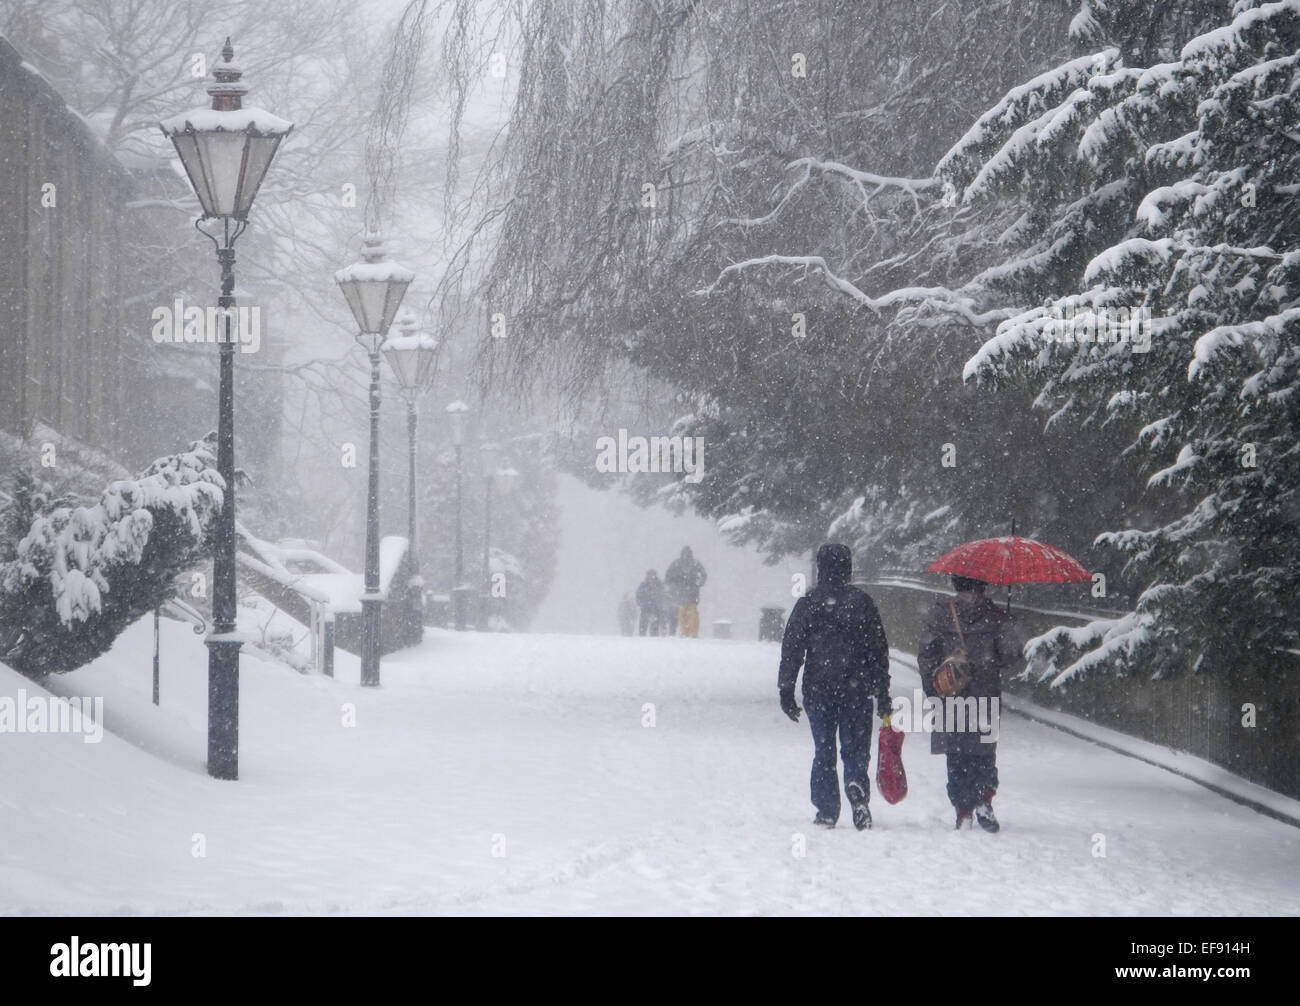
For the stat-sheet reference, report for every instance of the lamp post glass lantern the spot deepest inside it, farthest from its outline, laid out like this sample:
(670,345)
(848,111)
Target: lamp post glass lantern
(226,150)
(413,358)
(373,288)
(488,459)
(507,479)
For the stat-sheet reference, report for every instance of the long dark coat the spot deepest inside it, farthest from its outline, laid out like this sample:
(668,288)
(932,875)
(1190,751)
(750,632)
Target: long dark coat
(991,646)
(684,578)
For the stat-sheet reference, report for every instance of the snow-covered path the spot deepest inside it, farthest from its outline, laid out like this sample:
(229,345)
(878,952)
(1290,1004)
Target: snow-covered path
(513,774)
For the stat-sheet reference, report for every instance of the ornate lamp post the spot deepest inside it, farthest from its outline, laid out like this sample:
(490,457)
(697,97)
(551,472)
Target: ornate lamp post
(226,150)
(373,289)
(413,358)
(456,415)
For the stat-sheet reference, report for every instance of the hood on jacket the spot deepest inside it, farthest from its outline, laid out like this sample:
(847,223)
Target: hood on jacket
(834,565)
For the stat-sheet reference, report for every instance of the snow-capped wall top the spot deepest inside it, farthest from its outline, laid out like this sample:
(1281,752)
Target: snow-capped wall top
(86,132)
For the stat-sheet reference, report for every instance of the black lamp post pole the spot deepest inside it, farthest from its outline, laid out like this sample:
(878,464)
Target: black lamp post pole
(457,594)
(370,600)
(486,606)
(223,644)
(416,589)
(412,423)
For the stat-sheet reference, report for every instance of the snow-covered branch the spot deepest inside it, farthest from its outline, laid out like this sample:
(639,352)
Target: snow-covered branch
(935,298)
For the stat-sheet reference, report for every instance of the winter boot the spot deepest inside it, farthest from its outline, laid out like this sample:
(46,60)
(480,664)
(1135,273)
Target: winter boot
(858,800)
(984,815)
(824,821)
(963,818)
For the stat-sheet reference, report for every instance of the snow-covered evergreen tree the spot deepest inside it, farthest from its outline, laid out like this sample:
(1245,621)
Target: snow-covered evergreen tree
(1172,222)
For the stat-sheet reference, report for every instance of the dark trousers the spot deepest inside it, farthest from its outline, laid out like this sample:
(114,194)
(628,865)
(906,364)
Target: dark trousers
(650,620)
(852,720)
(972,778)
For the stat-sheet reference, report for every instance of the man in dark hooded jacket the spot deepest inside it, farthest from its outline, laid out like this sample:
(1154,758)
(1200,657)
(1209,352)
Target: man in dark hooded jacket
(971,624)
(683,580)
(835,634)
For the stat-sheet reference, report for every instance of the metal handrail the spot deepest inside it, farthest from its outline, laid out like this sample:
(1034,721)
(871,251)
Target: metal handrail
(178,609)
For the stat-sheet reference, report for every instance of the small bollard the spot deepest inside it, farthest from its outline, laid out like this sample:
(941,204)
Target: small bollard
(771,624)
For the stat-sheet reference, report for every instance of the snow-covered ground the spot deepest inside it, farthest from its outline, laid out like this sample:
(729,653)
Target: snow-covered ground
(514,774)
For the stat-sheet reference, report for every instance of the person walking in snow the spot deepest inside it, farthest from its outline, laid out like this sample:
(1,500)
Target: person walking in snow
(973,629)
(650,598)
(835,634)
(684,578)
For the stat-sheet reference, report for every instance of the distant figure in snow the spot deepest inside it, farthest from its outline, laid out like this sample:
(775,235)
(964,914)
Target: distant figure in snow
(650,597)
(970,626)
(627,615)
(835,634)
(684,578)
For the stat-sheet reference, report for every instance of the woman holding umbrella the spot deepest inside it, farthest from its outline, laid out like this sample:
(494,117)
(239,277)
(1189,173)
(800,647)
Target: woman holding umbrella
(966,643)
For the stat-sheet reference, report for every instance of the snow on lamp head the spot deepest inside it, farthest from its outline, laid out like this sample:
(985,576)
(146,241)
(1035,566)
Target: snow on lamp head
(374,289)
(226,149)
(412,355)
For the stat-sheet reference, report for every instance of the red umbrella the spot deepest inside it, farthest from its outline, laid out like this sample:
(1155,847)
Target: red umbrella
(1004,561)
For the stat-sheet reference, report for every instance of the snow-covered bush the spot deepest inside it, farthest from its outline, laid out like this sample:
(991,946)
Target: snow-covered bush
(78,575)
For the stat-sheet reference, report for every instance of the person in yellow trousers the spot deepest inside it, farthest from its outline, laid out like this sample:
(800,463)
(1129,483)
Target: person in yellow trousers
(684,578)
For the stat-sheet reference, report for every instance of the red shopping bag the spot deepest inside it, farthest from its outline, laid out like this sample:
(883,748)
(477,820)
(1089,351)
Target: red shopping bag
(891,780)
